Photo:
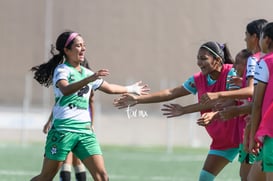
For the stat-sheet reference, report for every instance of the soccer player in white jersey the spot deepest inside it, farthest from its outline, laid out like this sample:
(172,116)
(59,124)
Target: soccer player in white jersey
(71,122)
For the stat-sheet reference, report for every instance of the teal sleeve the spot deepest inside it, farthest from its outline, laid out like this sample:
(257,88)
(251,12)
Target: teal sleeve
(189,85)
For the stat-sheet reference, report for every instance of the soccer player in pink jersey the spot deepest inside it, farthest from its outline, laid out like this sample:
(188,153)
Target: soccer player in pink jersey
(215,63)
(261,133)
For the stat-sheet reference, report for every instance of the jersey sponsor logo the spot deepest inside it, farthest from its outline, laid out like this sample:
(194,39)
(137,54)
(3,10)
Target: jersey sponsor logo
(73,106)
(83,91)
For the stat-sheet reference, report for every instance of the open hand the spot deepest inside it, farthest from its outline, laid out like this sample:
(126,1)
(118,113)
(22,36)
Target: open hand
(138,88)
(172,110)
(125,100)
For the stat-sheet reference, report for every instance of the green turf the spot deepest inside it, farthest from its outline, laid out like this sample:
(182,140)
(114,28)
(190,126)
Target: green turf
(123,163)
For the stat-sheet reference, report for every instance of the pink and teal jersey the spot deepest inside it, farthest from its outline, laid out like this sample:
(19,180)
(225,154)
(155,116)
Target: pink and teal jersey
(224,134)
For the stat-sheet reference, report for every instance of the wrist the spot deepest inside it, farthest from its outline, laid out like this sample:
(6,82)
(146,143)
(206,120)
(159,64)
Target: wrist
(129,89)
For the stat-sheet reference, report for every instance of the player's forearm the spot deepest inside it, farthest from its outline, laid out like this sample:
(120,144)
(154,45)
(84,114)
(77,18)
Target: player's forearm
(245,109)
(196,108)
(242,93)
(157,97)
(255,119)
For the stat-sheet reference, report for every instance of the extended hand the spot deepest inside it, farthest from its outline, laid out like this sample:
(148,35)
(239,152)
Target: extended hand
(228,113)
(172,110)
(102,72)
(206,118)
(125,100)
(138,88)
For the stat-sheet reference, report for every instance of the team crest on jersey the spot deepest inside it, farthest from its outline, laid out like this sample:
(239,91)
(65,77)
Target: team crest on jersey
(71,78)
(53,149)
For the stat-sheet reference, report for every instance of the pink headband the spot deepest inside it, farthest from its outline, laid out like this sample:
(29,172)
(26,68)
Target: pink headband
(70,38)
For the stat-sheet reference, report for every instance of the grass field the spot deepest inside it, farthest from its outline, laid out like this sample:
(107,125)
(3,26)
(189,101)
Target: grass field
(20,163)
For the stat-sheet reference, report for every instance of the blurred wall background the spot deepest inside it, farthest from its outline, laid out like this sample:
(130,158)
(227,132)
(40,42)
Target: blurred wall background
(155,41)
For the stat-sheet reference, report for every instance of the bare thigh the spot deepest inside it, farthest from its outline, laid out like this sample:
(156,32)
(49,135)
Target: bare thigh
(49,170)
(76,161)
(69,158)
(256,173)
(244,171)
(95,165)
(269,176)
(214,164)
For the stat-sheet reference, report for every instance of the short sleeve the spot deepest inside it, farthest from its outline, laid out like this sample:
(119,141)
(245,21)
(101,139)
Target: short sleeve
(250,68)
(60,73)
(96,84)
(189,85)
(261,72)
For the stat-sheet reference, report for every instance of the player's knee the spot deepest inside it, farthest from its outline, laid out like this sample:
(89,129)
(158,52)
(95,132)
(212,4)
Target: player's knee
(206,176)
(100,176)
(104,176)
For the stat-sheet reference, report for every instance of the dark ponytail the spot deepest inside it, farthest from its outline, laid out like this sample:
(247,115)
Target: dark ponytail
(228,59)
(44,73)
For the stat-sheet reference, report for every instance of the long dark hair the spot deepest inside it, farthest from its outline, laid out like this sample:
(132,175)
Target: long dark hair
(43,73)
(219,51)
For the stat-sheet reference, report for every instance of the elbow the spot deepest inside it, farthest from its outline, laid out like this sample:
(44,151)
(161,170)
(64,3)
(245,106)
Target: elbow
(66,92)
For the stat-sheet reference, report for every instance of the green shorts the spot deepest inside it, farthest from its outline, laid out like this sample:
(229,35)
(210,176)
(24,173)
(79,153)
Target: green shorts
(259,156)
(245,157)
(267,157)
(228,154)
(60,143)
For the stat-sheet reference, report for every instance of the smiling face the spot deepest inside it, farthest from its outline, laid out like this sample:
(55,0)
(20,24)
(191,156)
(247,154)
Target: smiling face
(206,62)
(75,55)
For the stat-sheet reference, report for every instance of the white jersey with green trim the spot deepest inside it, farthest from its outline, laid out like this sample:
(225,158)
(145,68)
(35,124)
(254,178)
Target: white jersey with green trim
(72,112)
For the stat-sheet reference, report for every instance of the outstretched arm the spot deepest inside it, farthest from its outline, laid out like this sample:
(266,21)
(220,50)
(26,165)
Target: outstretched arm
(160,96)
(234,111)
(242,93)
(137,88)
(174,110)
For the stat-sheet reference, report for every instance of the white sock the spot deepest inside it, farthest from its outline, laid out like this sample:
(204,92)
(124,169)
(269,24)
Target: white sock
(79,168)
(66,167)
